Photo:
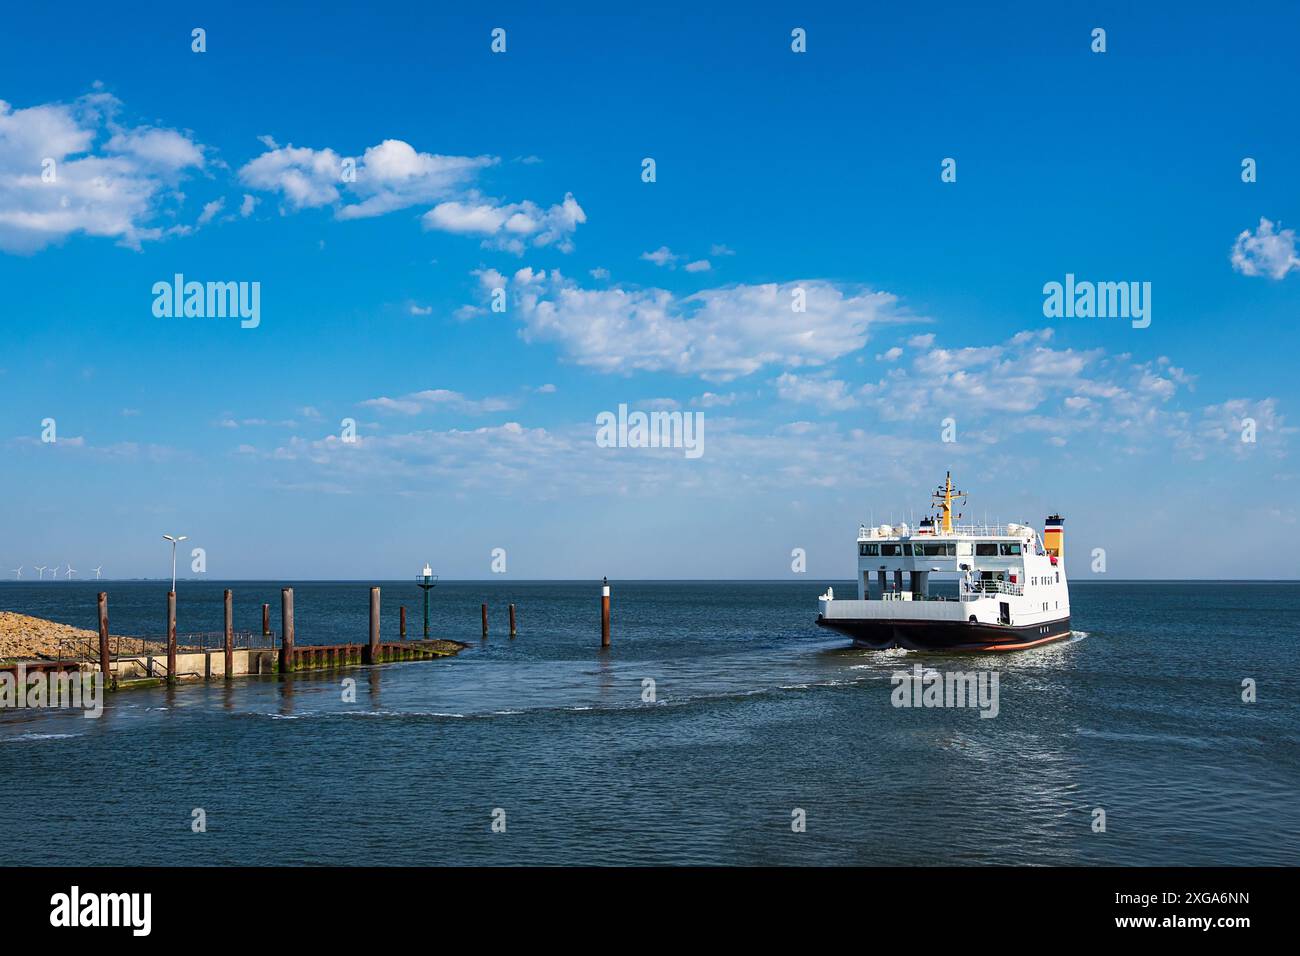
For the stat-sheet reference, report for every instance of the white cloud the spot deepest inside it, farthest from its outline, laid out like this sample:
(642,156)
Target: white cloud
(421,309)
(434,399)
(210,211)
(387,177)
(826,393)
(1223,426)
(164,148)
(307,178)
(1269,251)
(248,205)
(1025,386)
(117,189)
(891,355)
(713,400)
(512,226)
(718,249)
(700,265)
(663,256)
(394,175)
(718,334)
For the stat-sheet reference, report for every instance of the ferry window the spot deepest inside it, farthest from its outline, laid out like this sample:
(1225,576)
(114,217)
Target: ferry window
(869,550)
(986,549)
(1009,549)
(907,550)
(940,550)
(889,551)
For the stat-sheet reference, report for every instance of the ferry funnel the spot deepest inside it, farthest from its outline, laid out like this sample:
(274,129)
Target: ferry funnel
(1054,536)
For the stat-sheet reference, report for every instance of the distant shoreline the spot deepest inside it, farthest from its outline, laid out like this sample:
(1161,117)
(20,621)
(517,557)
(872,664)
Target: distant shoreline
(807,579)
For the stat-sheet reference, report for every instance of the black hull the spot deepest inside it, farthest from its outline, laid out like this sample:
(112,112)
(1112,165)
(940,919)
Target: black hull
(947,635)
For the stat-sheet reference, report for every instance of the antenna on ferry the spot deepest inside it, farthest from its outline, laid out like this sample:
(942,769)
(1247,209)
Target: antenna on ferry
(944,497)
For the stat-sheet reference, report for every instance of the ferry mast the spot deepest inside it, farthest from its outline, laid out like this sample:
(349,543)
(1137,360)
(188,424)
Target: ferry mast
(944,497)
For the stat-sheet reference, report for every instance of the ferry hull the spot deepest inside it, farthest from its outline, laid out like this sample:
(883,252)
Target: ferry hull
(946,635)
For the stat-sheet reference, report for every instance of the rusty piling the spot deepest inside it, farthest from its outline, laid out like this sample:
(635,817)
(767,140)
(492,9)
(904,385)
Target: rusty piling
(171,636)
(266,620)
(230,633)
(286,630)
(604,613)
(372,649)
(485,622)
(402,619)
(512,621)
(103,639)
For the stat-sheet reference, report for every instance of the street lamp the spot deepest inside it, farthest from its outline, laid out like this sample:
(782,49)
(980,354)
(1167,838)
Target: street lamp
(175,541)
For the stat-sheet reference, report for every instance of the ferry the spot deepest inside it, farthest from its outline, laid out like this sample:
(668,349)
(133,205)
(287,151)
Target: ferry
(1012,592)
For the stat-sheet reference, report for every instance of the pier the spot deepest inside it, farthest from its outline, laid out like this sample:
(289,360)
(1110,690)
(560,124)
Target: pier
(222,655)
(179,656)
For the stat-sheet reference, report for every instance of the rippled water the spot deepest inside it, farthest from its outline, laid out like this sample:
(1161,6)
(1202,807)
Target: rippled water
(758,712)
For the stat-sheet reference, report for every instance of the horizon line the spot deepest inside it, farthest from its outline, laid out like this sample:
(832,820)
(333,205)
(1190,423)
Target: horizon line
(849,580)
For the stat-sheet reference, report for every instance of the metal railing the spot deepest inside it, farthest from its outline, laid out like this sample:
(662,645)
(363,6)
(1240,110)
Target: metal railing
(870,532)
(87,650)
(980,589)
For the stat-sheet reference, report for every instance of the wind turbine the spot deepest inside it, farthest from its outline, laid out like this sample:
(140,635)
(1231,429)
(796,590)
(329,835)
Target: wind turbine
(40,572)
(98,570)
(70,572)
(18,571)
(175,541)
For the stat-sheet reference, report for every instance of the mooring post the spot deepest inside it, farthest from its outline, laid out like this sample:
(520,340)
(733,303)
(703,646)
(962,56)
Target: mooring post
(372,650)
(103,640)
(286,630)
(171,636)
(604,613)
(485,622)
(512,620)
(266,620)
(402,618)
(230,633)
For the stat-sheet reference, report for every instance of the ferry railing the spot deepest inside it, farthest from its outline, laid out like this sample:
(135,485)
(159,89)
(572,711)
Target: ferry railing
(865,532)
(984,588)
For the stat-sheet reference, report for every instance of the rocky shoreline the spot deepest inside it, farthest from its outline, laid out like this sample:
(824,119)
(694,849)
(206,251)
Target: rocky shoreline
(23,637)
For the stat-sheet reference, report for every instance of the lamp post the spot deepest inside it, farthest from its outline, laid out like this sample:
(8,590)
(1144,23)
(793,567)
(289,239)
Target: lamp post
(175,541)
(426,582)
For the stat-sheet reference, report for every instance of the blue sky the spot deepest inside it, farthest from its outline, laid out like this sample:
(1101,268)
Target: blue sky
(775,171)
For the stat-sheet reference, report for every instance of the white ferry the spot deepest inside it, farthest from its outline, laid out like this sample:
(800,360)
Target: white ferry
(1011,586)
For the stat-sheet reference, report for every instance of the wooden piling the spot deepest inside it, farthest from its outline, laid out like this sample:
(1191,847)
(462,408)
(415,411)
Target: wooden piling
(485,622)
(372,650)
(171,636)
(604,613)
(230,633)
(103,640)
(286,630)
(402,618)
(512,620)
(266,620)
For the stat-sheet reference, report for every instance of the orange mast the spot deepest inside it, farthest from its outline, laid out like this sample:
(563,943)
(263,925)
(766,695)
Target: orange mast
(944,496)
